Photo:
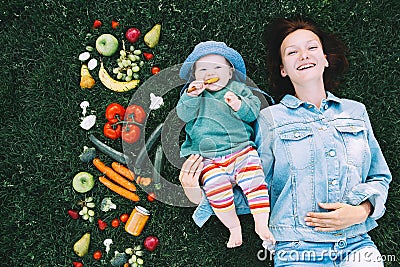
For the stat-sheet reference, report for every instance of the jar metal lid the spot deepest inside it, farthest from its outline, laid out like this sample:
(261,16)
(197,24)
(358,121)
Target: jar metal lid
(142,210)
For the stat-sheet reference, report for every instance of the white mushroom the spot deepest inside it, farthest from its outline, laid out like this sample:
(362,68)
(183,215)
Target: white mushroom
(88,122)
(107,243)
(92,64)
(84,106)
(84,56)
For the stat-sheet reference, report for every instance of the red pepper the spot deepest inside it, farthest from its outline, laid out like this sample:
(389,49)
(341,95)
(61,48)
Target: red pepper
(73,214)
(135,113)
(114,24)
(148,56)
(97,24)
(102,224)
(130,133)
(115,111)
(112,130)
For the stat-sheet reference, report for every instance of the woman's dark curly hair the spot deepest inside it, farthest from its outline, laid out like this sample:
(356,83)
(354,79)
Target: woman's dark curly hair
(334,50)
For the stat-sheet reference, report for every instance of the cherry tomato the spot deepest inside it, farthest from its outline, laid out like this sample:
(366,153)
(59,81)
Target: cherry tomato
(124,217)
(77,264)
(115,223)
(97,255)
(151,196)
(155,70)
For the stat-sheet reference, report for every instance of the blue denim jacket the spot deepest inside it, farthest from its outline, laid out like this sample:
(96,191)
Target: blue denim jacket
(312,155)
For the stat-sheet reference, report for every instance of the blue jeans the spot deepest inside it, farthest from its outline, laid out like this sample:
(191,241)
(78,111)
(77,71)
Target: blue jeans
(355,251)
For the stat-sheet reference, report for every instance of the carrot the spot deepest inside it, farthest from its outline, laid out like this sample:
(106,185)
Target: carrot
(124,171)
(114,176)
(118,189)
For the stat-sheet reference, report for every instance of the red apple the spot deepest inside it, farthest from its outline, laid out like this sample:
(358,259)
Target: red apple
(150,243)
(132,35)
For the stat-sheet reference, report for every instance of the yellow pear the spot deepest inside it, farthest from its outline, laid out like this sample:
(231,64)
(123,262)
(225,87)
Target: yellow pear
(87,80)
(153,36)
(81,247)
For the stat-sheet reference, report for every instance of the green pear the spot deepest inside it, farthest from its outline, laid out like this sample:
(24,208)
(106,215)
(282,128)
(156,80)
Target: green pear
(81,247)
(152,37)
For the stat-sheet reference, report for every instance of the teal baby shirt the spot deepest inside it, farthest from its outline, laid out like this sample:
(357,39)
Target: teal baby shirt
(212,128)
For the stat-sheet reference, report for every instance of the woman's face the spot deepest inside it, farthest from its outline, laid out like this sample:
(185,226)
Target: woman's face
(213,66)
(303,58)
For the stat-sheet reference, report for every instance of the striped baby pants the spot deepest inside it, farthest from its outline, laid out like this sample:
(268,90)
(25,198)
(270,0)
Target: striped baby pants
(242,168)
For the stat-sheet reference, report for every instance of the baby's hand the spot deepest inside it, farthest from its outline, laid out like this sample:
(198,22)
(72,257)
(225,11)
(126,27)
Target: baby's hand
(233,101)
(195,88)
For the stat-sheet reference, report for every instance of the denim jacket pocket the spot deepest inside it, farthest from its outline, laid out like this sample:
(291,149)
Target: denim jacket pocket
(355,141)
(298,144)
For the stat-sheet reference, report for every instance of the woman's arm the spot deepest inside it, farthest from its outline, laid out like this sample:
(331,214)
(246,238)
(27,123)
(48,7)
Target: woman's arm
(342,216)
(189,178)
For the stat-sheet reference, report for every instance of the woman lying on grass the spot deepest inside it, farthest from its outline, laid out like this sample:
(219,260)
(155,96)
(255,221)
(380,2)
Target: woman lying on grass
(327,177)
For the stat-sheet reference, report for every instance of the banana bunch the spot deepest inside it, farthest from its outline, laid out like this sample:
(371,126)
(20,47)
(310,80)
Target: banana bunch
(113,84)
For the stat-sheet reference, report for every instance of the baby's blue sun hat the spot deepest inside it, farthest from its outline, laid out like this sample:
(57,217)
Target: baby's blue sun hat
(212,47)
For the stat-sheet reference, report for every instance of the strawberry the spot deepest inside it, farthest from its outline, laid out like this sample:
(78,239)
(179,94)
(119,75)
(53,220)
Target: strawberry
(77,264)
(114,24)
(97,24)
(102,224)
(73,214)
(148,56)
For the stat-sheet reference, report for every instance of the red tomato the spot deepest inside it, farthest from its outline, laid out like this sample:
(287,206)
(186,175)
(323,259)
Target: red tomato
(77,264)
(112,130)
(115,223)
(124,217)
(155,70)
(115,111)
(97,255)
(151,196)
(135,113)
(130,133)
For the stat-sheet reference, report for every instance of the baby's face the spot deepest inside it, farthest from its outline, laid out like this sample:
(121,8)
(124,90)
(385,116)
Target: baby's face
(213,66)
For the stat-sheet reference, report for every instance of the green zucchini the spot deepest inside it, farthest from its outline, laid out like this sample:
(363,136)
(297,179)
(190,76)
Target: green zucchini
(109,151)
(147,147)
(158,158)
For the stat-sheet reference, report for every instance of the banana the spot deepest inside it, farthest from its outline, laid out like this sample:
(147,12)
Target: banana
(115,85)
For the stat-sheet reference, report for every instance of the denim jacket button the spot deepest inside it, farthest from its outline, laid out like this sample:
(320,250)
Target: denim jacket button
(334,182)
(332,153)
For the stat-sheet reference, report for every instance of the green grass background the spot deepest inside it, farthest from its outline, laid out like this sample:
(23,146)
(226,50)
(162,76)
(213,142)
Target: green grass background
(41,137)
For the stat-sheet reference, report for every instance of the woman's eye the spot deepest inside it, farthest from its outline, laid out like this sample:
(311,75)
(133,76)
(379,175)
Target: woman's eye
(313,47)
(291,53)
(217,67)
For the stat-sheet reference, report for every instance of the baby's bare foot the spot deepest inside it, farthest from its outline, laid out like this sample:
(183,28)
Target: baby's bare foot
(235,239)
(264,233)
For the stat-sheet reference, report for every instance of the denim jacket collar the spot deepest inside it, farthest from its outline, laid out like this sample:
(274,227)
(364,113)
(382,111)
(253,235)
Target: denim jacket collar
(291,101)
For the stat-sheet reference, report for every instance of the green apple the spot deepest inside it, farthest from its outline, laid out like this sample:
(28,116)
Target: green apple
(83,182)
(107,44)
